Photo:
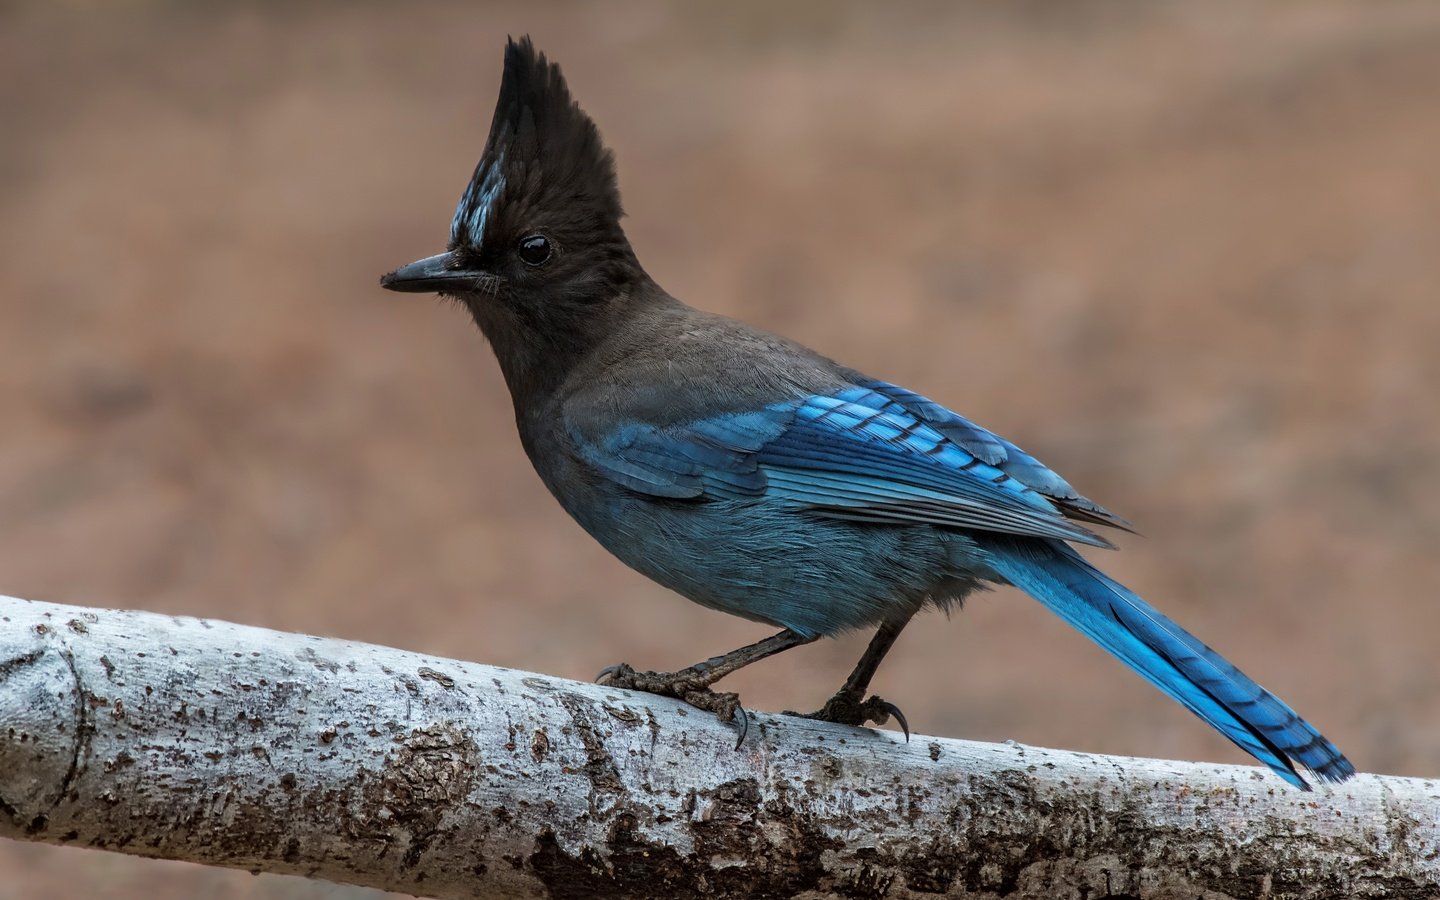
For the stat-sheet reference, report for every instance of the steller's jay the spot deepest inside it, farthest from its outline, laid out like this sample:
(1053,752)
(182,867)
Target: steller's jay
(758,478)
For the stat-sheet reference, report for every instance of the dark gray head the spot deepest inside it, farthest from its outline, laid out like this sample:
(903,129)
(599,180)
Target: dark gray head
(536,251)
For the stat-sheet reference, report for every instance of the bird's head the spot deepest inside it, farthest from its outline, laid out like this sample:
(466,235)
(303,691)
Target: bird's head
(536,250)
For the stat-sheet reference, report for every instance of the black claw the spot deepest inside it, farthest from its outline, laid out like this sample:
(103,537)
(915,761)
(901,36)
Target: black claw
(894,710)
(845,709)
(744,726)
(682,686)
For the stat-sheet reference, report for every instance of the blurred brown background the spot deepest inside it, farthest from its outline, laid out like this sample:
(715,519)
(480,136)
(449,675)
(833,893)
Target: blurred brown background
(1187,253)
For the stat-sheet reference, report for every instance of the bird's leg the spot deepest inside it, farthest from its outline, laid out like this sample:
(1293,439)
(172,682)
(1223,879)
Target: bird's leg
(692,684)
(849,706)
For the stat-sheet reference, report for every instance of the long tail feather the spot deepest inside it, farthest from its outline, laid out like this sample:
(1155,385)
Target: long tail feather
(1170,658)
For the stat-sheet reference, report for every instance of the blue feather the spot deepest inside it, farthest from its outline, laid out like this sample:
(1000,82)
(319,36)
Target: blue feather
(473,211)
(1169,657)
(834,457)
(987,446)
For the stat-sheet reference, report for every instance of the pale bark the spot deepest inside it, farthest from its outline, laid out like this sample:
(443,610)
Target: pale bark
(222,744)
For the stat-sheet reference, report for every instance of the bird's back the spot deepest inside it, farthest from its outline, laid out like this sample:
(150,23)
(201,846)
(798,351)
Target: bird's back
(667,363)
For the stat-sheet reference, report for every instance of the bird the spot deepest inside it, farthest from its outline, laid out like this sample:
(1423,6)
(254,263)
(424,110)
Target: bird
(756,477)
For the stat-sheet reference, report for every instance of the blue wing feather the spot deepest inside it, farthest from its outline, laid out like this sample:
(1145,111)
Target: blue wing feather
(989,448)
(873,461)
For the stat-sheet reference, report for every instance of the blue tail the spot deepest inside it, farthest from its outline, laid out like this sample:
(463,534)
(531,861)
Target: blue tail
(1170,658)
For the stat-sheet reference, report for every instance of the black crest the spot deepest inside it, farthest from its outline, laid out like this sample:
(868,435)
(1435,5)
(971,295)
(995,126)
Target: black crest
(544,157)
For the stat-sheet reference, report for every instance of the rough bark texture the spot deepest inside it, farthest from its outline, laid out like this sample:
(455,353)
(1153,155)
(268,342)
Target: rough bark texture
(235,746)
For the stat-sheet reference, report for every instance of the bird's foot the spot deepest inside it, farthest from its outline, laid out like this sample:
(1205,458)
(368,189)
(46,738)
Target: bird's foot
(846,708)
(689,685)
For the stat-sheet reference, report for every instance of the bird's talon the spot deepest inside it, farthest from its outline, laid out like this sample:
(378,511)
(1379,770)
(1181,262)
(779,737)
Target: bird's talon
(744,726)
(611,674)
(845,710)
(888,709)
(725,706)
(684,686)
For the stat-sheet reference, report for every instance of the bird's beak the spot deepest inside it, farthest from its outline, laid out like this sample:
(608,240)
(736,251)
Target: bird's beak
(436,275)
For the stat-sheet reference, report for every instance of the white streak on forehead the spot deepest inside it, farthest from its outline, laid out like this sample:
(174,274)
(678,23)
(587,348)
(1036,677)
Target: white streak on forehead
(475,204)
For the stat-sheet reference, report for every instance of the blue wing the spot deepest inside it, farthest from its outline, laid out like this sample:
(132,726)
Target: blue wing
(858,454)
(994,450)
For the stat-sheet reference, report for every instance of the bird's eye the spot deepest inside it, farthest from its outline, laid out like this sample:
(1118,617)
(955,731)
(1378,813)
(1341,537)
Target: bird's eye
(535,250)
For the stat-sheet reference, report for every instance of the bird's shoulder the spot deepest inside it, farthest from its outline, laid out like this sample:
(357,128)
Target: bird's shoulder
(678,364)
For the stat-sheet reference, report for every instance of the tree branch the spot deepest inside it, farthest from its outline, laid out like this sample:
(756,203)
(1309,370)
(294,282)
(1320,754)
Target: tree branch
(222,744)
